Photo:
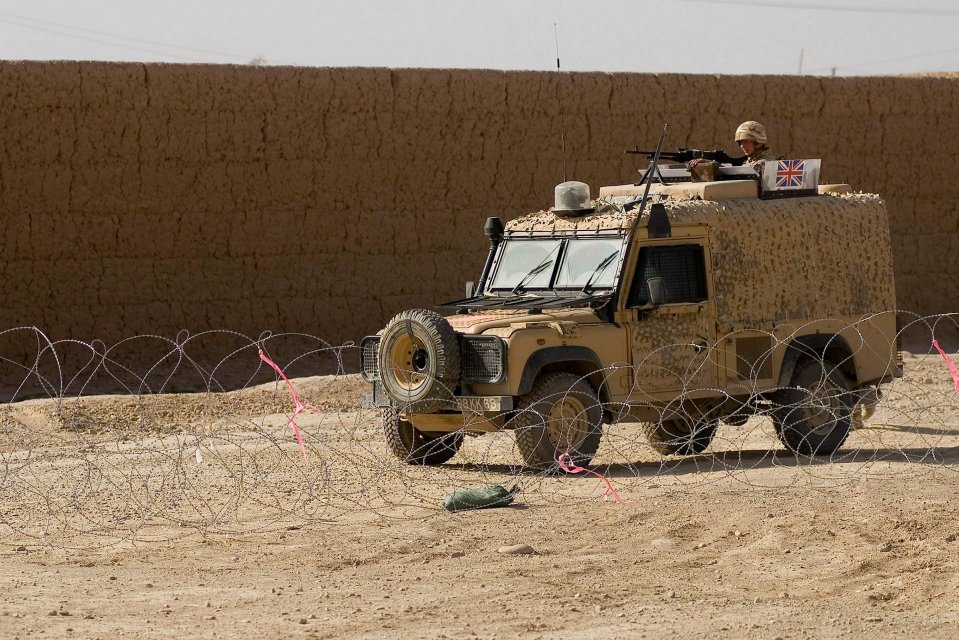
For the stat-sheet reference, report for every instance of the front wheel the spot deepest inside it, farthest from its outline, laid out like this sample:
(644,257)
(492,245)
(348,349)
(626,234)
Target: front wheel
(815,412)
(560,414)
(413,446)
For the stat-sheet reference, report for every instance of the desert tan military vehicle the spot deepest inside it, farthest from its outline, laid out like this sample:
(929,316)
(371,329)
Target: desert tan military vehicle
(678,305)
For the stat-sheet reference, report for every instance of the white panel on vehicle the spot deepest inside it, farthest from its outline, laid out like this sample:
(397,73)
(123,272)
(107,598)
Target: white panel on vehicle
(791,175)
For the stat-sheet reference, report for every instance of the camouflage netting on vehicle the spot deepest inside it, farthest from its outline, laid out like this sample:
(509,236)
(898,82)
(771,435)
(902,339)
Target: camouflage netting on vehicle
(803,286)
(756,237)
(604,218)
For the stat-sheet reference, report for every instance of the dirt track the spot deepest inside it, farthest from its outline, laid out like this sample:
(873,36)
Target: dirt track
(222,531)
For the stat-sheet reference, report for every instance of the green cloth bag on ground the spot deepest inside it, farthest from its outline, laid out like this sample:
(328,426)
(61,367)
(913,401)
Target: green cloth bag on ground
(492,495)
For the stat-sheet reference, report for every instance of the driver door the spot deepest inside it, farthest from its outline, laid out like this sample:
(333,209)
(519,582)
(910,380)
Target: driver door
(672,344)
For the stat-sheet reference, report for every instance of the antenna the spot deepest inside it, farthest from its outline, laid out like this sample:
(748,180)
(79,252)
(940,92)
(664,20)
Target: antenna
(556,36)
(653,169)
(562,134)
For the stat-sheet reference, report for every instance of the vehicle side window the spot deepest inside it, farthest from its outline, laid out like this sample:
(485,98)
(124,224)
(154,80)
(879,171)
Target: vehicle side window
(682,268)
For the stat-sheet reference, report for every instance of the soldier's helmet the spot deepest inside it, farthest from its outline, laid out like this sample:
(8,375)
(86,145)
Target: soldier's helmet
(751,130)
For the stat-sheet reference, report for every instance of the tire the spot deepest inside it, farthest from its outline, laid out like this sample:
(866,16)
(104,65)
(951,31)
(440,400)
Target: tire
(419,360)
(560,414)
(681,436)
(815,412)
(412,446)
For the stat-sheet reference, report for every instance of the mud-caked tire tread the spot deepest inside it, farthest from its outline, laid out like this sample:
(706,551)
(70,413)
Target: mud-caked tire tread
(412,446)
(532,437)
(788,416)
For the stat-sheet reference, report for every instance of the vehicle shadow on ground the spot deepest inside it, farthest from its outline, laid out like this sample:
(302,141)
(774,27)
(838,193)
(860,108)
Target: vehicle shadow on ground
(743,460)
(764,459)
(926,431)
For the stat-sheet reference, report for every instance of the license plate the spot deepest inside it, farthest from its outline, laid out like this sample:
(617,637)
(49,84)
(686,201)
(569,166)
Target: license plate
(485,403)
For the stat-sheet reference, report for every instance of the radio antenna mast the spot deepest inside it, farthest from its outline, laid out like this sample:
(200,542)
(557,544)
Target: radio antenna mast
(556,36)
(562,135)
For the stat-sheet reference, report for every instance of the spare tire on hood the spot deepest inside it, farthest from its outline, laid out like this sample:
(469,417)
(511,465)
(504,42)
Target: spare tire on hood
(419,360)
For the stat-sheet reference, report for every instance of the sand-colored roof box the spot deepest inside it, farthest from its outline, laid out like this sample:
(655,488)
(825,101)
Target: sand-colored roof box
(715,191)
(723,190)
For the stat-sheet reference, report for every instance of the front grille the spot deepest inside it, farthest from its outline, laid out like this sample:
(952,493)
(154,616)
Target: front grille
(483,359)
(369,358)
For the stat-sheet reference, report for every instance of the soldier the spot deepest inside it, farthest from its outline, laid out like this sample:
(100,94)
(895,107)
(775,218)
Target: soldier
(751,138)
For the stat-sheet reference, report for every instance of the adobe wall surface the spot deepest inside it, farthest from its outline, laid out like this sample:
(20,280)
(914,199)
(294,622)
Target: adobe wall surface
(153,198)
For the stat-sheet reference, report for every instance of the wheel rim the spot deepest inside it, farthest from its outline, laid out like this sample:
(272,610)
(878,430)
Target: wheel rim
(567,423)
(820,411)
(410,362)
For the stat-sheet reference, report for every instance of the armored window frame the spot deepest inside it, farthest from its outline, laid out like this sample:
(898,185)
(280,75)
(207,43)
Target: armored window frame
(553,250)
(682,268)
(553,277)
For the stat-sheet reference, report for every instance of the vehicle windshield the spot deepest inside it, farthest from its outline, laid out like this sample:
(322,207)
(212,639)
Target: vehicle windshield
(589,262)
(574,263)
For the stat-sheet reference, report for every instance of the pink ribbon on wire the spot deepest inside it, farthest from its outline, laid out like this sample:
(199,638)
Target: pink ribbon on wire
(298,406)
(565,462)
(952,367)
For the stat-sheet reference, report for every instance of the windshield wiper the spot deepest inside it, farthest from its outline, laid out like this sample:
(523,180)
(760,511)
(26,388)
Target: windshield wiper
(608,260)
(547,261)
(529,276)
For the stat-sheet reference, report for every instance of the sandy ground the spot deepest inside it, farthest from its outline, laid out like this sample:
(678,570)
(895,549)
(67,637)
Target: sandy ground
(196,516)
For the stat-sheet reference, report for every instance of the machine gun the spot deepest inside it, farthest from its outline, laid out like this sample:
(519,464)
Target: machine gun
(685,155)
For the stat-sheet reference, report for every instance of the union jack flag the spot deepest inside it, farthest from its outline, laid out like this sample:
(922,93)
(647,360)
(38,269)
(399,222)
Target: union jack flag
(790,173)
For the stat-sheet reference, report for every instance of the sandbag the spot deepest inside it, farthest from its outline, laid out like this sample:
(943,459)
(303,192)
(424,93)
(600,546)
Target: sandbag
(492,495)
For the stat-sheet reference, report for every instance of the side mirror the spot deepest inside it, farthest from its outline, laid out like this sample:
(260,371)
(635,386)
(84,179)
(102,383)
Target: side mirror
(469,289)
(657,291)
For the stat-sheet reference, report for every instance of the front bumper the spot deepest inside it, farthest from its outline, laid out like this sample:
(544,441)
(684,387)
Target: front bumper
(476,404)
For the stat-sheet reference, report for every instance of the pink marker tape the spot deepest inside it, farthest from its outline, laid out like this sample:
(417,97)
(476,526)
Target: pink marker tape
(952,367)
(566,463)
(298,406)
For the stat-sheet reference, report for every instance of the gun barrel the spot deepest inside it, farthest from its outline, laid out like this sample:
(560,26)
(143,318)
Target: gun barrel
(681,155)
(685,155)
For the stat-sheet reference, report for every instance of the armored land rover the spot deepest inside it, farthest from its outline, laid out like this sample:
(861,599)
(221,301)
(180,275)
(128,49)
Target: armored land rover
(674,304)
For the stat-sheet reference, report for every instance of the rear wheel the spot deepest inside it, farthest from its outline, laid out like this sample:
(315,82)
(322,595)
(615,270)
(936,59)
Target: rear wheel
(560,414)
(681,436)
(815,412)
(413,446)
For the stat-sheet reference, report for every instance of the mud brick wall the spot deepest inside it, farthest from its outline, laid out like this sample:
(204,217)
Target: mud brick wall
(153,198)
